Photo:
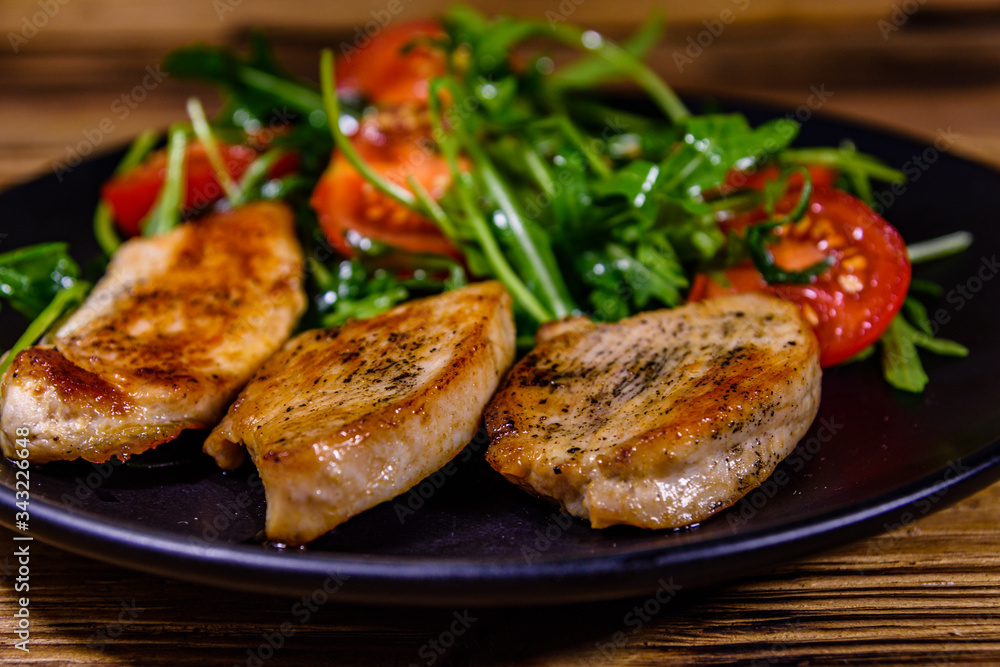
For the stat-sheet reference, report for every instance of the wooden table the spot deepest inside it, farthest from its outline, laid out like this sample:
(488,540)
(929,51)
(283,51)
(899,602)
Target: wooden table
(924,594)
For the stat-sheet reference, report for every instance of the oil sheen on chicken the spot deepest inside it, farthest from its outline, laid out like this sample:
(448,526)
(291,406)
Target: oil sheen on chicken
(163,343)
(343,419)
(662,419)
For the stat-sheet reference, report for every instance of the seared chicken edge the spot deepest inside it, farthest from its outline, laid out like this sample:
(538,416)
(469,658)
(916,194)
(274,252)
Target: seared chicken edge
(341,420)
(163,343)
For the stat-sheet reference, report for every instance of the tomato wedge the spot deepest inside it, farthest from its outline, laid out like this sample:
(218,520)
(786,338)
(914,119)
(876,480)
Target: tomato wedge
(351,211)
(131,195)
(850,305)
(395,66)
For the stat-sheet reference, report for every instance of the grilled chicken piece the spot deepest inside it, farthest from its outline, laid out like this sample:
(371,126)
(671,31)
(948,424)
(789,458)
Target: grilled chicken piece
(343,419)
(662,419)
(164,342)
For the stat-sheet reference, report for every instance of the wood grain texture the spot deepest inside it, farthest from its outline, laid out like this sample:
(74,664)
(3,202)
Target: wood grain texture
(924,594)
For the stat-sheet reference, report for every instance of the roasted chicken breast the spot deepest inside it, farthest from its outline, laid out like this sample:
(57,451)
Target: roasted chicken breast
(343,419)
(662,419)
(164,342)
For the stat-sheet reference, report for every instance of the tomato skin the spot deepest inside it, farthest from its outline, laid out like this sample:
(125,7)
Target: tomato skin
(821,177)
(395,142)
(383,73)
(848,306)
(131,195)
(351,210)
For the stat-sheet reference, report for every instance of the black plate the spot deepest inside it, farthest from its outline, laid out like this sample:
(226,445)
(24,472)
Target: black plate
(875,458)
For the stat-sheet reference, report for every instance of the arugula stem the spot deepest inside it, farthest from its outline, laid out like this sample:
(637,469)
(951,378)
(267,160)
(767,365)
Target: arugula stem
(480,228)
(321,275)
(538,170)
(28,253)
(104,227)
(332,107)
(437,213)
(625,62)
(166,212)
(62,301)
(300,97)
(573,134)
(587,72)
(204,133)
(255,173)
(942,246)
(538,254)
(837,157)
(496,258)
(551,285)
(679,175)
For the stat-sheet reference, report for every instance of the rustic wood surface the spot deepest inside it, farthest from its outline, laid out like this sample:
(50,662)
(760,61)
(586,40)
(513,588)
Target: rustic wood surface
(925,594)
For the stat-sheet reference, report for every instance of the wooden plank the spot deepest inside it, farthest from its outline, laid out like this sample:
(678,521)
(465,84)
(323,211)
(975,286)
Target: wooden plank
(53,24)
(923,595)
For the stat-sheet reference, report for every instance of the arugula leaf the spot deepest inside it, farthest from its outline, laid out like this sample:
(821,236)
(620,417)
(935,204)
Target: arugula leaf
(352,291)
(254,84)
(900,361)
(31,277)
(858,168)
(713,145)
(64,299)
(592,71)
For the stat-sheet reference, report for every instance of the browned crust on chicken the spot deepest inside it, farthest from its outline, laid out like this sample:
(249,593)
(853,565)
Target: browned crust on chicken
(165,340)
(662,419)
(343,419)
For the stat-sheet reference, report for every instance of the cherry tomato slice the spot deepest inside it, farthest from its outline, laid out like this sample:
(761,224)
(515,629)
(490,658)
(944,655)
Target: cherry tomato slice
(395,66)
(131,195)
(349,208)
(850,305)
